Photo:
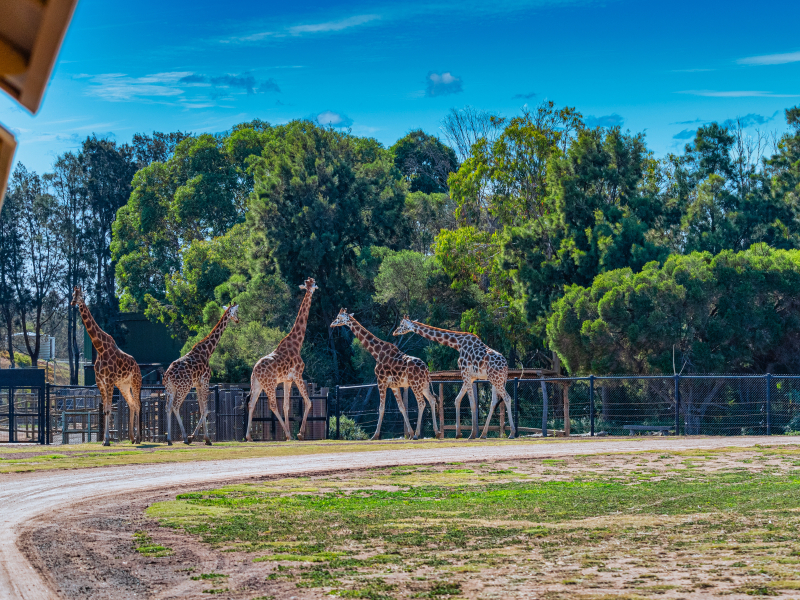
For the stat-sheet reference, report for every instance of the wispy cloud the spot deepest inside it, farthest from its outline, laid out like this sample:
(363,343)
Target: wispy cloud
(750,120)
(306,28)
(612,120)
(737,94)
(771,59)
(686,134)
(330,118)
(527,96)
(339,25)
(442,84)
(692,122)
(118,87)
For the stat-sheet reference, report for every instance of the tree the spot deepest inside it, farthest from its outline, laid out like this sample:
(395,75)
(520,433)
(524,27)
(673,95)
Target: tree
(465,127)
(427,215)
(733,312)
(37,283)
(321,198)
(424,161)
(11,267)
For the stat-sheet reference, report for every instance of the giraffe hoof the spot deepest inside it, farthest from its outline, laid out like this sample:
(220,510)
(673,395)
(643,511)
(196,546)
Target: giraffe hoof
(106,443)
(416,437)
(188,442)
(300,437)
(208,443)
(169,443)
(512,436)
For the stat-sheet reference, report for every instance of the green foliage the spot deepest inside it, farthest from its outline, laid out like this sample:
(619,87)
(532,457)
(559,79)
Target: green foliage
(424,161)
(403,278)
(726,313)
(348,429)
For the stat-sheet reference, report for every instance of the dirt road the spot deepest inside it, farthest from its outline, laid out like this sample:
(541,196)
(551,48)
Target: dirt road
(26,496)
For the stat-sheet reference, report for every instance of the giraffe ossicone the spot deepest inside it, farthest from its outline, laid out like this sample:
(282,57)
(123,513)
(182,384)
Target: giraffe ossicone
(113,367)
(193,370)
(284,366)
(394,370)
(476,361)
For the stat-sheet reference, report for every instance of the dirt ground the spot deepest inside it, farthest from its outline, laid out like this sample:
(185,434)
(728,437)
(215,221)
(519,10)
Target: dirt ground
(89,551)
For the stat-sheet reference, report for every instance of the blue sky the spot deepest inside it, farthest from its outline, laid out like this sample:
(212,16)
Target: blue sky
(383,69)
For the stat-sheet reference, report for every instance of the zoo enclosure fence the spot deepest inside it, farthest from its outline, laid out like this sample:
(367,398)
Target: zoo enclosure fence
(37,412)
(614,405)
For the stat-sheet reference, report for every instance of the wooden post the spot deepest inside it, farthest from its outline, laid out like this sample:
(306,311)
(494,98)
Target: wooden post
(566,409)
(441,408)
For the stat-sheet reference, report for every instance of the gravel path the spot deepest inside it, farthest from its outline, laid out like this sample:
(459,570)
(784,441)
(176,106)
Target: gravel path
(26,496)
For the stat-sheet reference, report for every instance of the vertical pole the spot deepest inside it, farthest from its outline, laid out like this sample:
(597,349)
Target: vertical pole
(337,413)
(42,423)
(677,405)
(328,416)
(12,425)
(245,406)
(441,408)
(47,414)
(591,405)
(216,413)
(565,391)
(769,404)
(516,402)
(544,408)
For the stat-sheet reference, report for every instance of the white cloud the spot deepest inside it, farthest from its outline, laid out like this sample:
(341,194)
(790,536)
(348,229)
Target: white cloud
(333,119)
(771,59)
(333,25)
(737,94)
(442,84)
(120,87)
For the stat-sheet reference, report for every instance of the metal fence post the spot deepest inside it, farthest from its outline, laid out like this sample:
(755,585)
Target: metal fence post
(769,404)
(591,405)
(516,403)
(245,406)
(216,413)
(544,408)
(677,405)
(47,432)
(337,412)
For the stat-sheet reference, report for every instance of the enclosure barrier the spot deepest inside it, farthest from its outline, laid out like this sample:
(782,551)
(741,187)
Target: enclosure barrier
(611,405)
(35,412)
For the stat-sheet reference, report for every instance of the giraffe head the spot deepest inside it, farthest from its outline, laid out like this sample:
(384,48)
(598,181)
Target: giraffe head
(77,296)
(233,312)
(342,319)
(406,326)
(309,285)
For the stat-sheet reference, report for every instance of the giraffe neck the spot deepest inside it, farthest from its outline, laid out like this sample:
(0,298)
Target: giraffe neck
(298,332)
(205,347)
(441,336)
(100,339)
(374,345)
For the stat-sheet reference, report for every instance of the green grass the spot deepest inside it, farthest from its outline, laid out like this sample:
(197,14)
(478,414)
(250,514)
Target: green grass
(144,545)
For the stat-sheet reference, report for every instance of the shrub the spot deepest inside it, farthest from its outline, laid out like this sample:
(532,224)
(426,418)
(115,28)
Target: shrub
(348,429)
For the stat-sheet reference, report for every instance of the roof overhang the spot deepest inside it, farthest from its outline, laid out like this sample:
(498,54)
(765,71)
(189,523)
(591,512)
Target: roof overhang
(31,32)
(7,147)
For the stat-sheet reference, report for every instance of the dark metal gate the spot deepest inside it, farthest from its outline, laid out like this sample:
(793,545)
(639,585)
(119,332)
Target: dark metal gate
(22,406)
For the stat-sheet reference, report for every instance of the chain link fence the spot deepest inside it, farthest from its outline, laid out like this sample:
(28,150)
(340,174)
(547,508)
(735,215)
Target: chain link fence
(623,405)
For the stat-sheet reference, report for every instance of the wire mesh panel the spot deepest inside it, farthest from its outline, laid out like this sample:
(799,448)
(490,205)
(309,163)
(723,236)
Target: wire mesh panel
(724,405)
(267,428)
(20,414)
(784,404)
(74,414)
(230,414)
(625,405)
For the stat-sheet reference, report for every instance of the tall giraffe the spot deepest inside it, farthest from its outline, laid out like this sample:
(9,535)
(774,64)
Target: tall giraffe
(284,365)
(192,370)
(476,361)
(395,370)
(113,367)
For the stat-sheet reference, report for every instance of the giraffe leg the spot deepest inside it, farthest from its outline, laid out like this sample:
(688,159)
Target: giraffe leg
(255,392)
(403,412)
(307,408)
(133,412)
(106,395)
(513,426)
(202,400)
(458,408)
(473,404)
(491,412)
(180,396)
(419,394)
(432,401)
(273,406)
(382,407)
(287,407)
(170,393)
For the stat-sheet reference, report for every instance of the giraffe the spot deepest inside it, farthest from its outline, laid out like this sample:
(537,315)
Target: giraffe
(113,367)
(476,361)
(395,370)
(192,370)
(284,365)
